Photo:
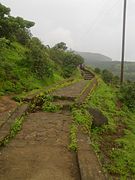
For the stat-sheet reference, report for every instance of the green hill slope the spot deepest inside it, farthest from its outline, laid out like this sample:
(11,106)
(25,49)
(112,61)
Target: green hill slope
(25,62)
(115,141)
(94,57)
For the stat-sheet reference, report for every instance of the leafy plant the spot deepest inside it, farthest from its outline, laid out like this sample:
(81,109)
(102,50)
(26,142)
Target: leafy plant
(82,117)
(16,126)
(50,107)
(127,95)
(73,137)
(14,129)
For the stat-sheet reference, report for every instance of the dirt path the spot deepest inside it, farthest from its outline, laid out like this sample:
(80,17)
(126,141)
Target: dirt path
(40,150)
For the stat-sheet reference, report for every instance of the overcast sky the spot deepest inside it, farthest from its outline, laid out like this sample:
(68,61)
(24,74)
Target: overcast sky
(85,25)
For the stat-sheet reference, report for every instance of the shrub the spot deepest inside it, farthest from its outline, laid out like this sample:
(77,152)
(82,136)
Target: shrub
(127,95)
(107,76)
(97,70)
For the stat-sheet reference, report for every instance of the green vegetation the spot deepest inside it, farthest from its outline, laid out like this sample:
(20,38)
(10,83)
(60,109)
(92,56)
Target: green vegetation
(16,126)
(114,67)
(107,76)
(48,105)
(82,117)
(73,137)
(14,129)
(26,63)
(103,62)
(82,120)
(127,95)
(44,96)
(114,142)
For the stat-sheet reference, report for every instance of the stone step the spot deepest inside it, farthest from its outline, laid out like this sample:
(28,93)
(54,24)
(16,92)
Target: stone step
(18,113)
(88,77)
(90,168)
(64,104)
(69,98)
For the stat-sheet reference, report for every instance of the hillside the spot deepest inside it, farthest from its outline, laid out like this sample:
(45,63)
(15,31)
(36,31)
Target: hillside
(25,62)
(115,142)
(115,66)
(94,57)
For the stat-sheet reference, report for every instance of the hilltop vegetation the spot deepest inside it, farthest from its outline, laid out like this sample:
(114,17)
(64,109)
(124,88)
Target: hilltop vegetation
(115,66)
(94,57)
(25,62)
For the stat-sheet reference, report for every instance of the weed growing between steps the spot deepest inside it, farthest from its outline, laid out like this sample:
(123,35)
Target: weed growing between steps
(82,117)
(44,102)
(16,126)
(50,107)
(85,88)
(114,142)
(14,129)
(82,120)
(73,137)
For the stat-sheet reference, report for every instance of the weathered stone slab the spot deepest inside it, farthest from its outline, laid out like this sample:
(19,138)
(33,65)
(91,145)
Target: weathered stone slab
(90,168)
(98,118)
(18,113)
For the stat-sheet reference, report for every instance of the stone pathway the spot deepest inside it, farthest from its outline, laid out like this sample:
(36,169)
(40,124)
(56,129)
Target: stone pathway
(40,151)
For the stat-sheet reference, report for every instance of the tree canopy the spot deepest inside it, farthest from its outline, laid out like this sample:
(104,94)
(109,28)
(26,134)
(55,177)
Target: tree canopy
(14,27)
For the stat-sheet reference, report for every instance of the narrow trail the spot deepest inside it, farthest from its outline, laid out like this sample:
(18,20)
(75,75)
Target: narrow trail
(40,151)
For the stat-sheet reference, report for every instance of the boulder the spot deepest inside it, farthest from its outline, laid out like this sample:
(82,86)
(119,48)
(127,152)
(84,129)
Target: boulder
(98,118)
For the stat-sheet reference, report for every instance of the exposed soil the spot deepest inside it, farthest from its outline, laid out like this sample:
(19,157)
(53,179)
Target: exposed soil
(7,105)
(108,142)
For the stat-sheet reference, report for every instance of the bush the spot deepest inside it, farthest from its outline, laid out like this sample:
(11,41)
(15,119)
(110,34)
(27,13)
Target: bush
(127,95)
(97,70)
(107,76)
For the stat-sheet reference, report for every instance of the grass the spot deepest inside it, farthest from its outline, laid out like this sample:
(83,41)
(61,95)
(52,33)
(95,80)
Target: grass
(114,142)
(50,107)
(73,137)
(81,119)
(17,78)
(14,129)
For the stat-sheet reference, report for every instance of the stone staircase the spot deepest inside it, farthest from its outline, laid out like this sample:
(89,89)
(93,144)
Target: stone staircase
(87,74)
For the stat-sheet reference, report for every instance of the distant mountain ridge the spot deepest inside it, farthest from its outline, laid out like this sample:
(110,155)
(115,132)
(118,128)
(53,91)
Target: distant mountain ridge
(92,57)
(104,62)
